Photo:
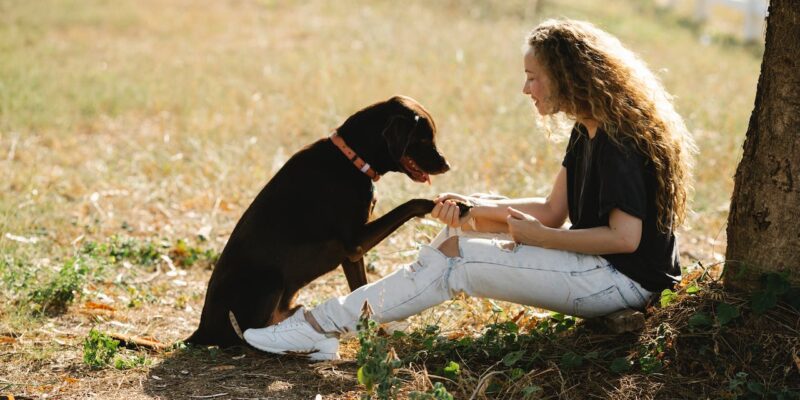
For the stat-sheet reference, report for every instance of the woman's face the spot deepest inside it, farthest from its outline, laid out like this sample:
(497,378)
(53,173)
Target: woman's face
(537,84)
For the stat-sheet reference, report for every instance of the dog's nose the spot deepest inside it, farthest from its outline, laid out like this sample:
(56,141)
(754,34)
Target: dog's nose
(445,166)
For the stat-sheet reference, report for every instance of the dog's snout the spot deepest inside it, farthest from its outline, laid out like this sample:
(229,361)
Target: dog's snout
(441,166)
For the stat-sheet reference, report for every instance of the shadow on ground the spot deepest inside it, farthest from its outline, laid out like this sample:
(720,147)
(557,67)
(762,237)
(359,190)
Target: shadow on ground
(198,372)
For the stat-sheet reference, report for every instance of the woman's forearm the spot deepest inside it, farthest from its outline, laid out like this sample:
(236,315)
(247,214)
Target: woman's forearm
(597,241)
(496,211)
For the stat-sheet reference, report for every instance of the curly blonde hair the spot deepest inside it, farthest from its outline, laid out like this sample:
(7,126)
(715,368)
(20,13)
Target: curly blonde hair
(594,76)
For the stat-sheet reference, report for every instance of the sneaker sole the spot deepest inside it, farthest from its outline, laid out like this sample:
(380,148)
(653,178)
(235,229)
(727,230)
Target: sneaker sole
(315,355)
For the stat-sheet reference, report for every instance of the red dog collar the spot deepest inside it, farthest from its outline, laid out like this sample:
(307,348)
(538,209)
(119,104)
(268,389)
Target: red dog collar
(351,155)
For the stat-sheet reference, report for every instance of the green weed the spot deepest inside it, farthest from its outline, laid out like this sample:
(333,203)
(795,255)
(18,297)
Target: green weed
(377,361)
(99,349)
(741,387)
(117,249)
(16,275)
(775,287)
(438,392)
(135,361)
(55,296)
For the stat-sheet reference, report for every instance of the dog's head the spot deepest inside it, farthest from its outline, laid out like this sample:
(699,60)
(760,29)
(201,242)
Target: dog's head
(396,135)
(410,134)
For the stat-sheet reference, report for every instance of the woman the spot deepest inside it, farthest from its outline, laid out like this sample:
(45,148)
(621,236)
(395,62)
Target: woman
(623,184)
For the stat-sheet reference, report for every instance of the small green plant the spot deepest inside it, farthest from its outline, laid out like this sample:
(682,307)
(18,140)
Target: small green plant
(667,297)
(117,249)
(451,370)
(135,361)
(438,392)
(531,391)
(693,289)
(185,255)
(571,360)
(774,287)
(651,355)
(700,321)
(99,349)
(726,313)
(620,365)
(55,296)
(743,388)
(16,274)
(377,361)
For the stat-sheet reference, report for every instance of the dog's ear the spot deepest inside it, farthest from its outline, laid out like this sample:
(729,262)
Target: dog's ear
(398,133)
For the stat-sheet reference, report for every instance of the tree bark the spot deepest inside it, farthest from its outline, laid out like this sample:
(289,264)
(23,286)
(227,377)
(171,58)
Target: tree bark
(764,220)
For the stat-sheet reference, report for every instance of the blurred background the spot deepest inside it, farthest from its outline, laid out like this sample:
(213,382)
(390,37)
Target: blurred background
(168,117)
(161,120)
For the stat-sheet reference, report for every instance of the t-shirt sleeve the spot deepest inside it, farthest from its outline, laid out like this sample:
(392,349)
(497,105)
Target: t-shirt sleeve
(622,183)
(569,157)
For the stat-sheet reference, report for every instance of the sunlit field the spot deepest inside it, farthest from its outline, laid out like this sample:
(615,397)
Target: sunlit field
(133,134)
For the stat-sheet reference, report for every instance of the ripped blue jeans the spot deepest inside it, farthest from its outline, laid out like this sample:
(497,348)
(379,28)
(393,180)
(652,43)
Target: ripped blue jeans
(566,282)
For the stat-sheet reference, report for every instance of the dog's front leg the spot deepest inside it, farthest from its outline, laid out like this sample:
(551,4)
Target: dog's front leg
(355,272)
(372,233)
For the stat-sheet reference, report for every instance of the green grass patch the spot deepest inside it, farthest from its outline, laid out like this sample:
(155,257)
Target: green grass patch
(99,349)
(55,296)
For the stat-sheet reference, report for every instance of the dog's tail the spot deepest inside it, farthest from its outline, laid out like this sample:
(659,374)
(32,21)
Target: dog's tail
(235,325)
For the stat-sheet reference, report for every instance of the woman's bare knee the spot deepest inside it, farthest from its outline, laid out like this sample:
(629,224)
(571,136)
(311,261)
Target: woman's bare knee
(450,247)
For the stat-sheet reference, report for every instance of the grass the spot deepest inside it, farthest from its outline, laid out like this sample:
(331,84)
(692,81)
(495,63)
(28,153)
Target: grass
(134,133)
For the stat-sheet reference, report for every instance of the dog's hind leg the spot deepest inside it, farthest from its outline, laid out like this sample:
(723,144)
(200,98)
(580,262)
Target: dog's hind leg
(254,308)
(286,306)
(355,272)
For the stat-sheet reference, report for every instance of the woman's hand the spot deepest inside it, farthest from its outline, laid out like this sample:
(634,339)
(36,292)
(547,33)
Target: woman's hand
(446,210)
(525,229)
(453,196)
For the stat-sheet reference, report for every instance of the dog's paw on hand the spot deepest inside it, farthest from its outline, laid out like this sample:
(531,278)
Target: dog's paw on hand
(423,207)
(463,208)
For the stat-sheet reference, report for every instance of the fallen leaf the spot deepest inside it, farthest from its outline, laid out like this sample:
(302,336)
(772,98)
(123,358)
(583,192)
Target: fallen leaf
(688,279)
(455,335)
(7,339)
(98,306)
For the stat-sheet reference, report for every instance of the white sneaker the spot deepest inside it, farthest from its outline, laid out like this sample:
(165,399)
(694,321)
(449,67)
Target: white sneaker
(294,335)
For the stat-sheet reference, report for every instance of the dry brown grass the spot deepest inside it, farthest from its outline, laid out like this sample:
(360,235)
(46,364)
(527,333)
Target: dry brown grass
(162,120)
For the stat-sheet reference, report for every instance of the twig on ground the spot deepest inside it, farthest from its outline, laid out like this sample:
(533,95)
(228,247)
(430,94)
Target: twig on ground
(486,375)
(210,396)
(135,341)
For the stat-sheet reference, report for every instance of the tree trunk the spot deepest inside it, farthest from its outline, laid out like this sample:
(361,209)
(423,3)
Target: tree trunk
(764,220)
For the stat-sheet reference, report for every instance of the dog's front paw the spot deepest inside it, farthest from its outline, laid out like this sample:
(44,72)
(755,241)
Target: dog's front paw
(463,208)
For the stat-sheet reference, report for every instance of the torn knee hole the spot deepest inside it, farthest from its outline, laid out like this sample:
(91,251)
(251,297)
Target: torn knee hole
(450,247)
(510,246)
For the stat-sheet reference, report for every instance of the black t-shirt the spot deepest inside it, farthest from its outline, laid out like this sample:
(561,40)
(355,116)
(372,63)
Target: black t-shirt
(602,176)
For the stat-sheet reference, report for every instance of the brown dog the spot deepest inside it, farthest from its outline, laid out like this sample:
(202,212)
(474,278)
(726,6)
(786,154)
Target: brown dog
(314,215)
